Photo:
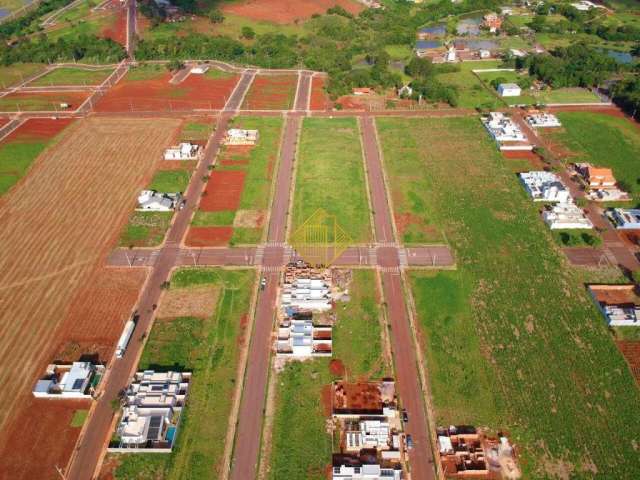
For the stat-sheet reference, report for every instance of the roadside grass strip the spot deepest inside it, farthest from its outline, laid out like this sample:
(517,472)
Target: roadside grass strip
(330,176)
(301,446)
(208,347)
(512,340)
(604,141)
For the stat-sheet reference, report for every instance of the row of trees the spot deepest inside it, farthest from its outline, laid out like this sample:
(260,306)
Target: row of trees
(626,93)
(30,22)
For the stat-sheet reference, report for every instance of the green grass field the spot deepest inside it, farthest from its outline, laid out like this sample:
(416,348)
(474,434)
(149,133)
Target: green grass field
(208,348)
(18,72)
(145,229)
(171,181)
(511,338)
(330,176)
(79,417)
(196,130)
(88,26)
(471,92)
(72,76)
(604,141)
(300,443)
(148,71)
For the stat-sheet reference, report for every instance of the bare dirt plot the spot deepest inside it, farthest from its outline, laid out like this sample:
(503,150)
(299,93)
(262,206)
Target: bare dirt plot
(197,301)
(271,92)
(57,225)
(630,349)
(283,11)
(38,438)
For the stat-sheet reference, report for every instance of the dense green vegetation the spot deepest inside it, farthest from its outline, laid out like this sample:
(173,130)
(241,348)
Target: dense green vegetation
(330,176)
(627,94)
(512,339)
(208,348)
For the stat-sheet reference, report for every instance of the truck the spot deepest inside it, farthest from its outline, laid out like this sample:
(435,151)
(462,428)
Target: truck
(129,327)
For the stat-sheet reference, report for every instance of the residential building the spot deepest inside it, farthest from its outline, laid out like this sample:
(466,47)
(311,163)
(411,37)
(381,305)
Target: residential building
(367,466)
(371,399)
(366,433)
(152,201)
(585,5)
(625,218)
(543,120)
(600,183)
(306,294)
(301,338)
(505,132)
(620,304)
(77,380)
(183,151)
(239,136)
(509,90)
(566,216)
(545,187)
(482,53)
(152,411)
(517,53)
(405,91)
(492,22)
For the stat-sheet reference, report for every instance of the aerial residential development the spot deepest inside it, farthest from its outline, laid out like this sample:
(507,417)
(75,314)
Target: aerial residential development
(319,240)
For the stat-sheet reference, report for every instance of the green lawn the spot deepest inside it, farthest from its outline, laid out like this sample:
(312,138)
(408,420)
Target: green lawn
(148,71)
(171,181)
(145,229)
(604,141)
(196,130)
(40,102)
(471,92)
(213,219)
(567,95)
(72,76)
(512,339)
(330,176)
(209,348)
(18,72)
(301,446)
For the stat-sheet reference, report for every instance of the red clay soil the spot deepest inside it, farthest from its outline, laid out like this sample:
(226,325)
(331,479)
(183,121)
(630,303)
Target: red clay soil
(177,165)
(158,95)
(271,92)
(42,101)
(630,349)
(98,314)
(223,191)
(39,128)
(38,438)
(3,121)
(630,237)
(209,236)
(326,399)
(117,31)
(336,367)
(350,103)
(285,11)
(319,98)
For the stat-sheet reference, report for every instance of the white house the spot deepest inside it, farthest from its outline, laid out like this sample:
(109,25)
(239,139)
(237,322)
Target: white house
(183,151)
(509,90)
(238,136)
(566,216)
(152,201)
(484,53)
(301,338)
(150,418)
(543,120)
(585,5)
(625,218)
(619,304)
(545,187)
(306,294)
(368,433)
(67,381)
(356,470)
(200,69)
(505,132)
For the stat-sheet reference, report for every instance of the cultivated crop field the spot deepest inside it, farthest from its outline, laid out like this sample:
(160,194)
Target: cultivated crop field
(330,175)
(208,346)
(235,207)
(47,255)
(271,92)
(286,12)
(604,141)
(511,338)
(301,447)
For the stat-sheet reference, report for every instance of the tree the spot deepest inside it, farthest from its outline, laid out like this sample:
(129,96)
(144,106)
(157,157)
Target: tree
(216,16)
(248,33)
(419,68)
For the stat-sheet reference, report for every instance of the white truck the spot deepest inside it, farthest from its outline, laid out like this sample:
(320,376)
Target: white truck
(129,327)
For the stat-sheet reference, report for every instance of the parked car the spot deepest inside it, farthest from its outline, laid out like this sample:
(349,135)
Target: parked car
(405,417)
(409,442)
(263,283)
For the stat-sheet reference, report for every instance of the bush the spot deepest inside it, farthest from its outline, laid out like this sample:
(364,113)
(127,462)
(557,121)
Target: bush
(248,33)
(215,16)
(636,276)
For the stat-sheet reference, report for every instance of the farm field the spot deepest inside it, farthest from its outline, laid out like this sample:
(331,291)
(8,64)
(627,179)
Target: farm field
(207,345)
(497,355)
(235,206)
(147,88)
(72,76)
(330,176)
(301,447)
(47,256)
(20,148)
(41,101)
(271,92)
(18,73)
(285,12)
(604,141)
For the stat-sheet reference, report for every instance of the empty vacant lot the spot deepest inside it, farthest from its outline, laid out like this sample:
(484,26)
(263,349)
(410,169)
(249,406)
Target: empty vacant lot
(57,225)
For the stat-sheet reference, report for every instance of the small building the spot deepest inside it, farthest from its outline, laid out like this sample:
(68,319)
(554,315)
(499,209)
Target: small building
(199,69)
(509,90)
(517,53)
(301,338)
(405,91)
(152,201)
(624,218)
(183,151)
(543,120)
(302,293)
(482,53)
(362,91)
(505,132)
(364,466)
(545,187)
(152,411)
(585,5)
(73,381)
(238,136)
(620,304)
(600,183)
(371,399)
(566,216)
(492,22)
(451,55)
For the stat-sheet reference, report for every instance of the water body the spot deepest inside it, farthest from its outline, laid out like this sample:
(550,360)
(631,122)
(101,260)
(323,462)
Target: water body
(620,57)
(434,30)
(469,26)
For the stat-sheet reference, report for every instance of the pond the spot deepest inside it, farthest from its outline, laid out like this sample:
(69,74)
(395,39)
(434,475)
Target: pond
(434,30)
(621,57)
(469,26)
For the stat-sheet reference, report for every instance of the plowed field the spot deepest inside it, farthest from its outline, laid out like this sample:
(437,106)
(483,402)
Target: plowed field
(271,92)
(56,226)
(223,191)
(154,93)
(283,11)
